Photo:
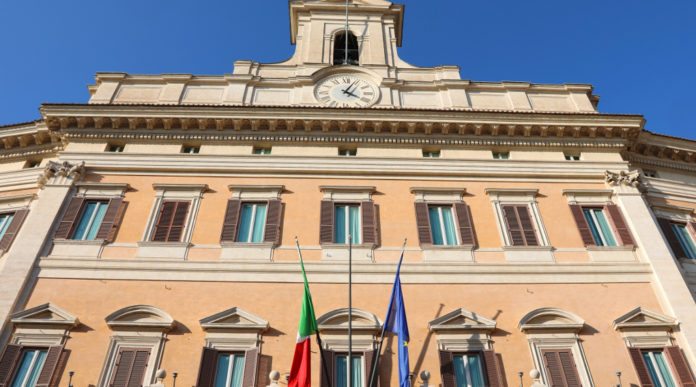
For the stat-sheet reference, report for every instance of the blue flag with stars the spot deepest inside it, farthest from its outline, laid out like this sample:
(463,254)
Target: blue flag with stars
(395,322)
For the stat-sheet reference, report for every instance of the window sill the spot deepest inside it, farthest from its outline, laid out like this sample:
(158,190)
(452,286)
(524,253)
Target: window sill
(148,249)
(445,253)
(77,248)
(531,254)
(612,253)
(240,251)
(339,252)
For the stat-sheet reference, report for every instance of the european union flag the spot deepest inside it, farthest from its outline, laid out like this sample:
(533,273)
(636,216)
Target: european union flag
(395,322)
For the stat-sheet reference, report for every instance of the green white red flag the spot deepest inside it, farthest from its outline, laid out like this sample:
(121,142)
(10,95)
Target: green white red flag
(301,370)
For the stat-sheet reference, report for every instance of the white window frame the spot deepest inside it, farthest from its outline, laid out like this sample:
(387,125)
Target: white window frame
(254,208)
(441,219)
(347,195)
(365,371)
(675,381)
(467,370)
(596,224)
(92,218)
(347,225)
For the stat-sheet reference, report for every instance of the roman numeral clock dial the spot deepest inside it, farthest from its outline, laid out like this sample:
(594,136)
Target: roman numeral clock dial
(346,90)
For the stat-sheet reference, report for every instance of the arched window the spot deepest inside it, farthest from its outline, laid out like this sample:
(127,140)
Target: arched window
(340,49)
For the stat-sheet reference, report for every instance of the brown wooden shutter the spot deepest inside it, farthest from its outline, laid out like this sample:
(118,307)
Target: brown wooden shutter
(109,221)
(553,368)
(513,225)
(206,371)
(117,222)
(425,236)
(583,227)
(13,229)
(370,359)
(570,371)
(493,370)
(466,226)
(229,225)
(49,366)
(170,222)
(330,358)
(680,366)
(447,369)
(620,225)
(265,368)
(672,240)
(640,367)
(130,367)
(369,223)
(66,224)
(527,226)
(178,222)
(7,362)
(251,364)
(326,222)
(272,231)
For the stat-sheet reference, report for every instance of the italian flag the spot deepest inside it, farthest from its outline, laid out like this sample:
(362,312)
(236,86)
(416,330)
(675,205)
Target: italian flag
(301,370)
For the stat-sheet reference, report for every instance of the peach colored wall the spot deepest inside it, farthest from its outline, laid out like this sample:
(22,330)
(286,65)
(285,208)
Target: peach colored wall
(188,302)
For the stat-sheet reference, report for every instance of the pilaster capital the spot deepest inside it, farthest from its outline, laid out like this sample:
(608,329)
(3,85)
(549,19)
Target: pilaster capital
(61,174)
(624,182)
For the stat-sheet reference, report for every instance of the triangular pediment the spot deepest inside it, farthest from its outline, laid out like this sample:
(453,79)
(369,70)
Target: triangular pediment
(644,318)
(461,319)
(140,316)
(235,318)
(551,319)
(45,314)
(338,320)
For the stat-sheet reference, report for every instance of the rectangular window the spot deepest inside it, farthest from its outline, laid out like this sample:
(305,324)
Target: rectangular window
(684,238)
(91,219)
(431,154)
(347,152)
(171,221)
(116,148)
(190,149)
(5,220)
(599,227)
(29,367)
(649,173)
(32,164)
(230,368)
(347,222)
(501,155)
(560,368)
(520,225)
(442,225)
(572,157)
(130,366)
(658,368)
(468,371)
(252,223)
(258,150)
(342,371)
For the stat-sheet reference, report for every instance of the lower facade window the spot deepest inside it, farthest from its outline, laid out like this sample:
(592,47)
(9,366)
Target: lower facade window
(347,222)
(29,367)
(92,215)
(684,238)
(129,370)
(230,369)
(252,223)
(468,371)
(5,220)
(599,226)
(442,225)
(658,368)
(342,371)
(560,368)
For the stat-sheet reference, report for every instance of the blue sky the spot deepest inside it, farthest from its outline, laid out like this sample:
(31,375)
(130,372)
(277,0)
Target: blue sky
(640,55)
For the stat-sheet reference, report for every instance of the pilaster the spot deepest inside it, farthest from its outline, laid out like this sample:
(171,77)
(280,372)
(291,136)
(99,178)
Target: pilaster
(668,282)
(56,183)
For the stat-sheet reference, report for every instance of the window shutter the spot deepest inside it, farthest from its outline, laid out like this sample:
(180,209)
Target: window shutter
(170,224)
(272,232)
(527,226)
(425,236)
(206,371)
(620,225)
(553,369)
(229,225)
(679,364)
(369,223)
(7,362)
(493,370)
(251,364)
(265,363)
(570,371)
(583,227)
(50,365)
(330,358)
(466,226)
(130,367)
(326,222)
(13,229)
(640,367)
(109,221)
(178,222)
(370,359)
(513,226)
(672,240)
(65,226)
(164,221)
(447,369)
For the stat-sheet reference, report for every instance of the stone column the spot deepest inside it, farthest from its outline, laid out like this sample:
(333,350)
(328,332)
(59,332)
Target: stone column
(56,183)
(668,282)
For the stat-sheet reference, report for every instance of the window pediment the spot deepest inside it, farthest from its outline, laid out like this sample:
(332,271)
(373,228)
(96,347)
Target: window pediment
(46,314)
(140,316)
(461,320)
(644,319)
(235,319)
(350,193)
(551,319)
(337,320)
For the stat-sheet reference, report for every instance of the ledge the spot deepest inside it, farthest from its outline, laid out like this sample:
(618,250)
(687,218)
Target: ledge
(512,191)
(439,253)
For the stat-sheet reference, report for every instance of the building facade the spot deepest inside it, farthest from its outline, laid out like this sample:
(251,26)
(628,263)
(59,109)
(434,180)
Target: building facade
(155,226)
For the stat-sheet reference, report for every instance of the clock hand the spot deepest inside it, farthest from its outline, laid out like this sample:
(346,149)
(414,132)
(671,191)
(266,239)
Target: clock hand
(346,90)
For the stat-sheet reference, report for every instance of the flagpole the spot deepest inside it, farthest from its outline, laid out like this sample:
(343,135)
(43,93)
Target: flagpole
(381,339)
(350,310)
(321,347)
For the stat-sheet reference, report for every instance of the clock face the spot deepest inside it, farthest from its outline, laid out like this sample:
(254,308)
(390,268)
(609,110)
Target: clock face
(346,91)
